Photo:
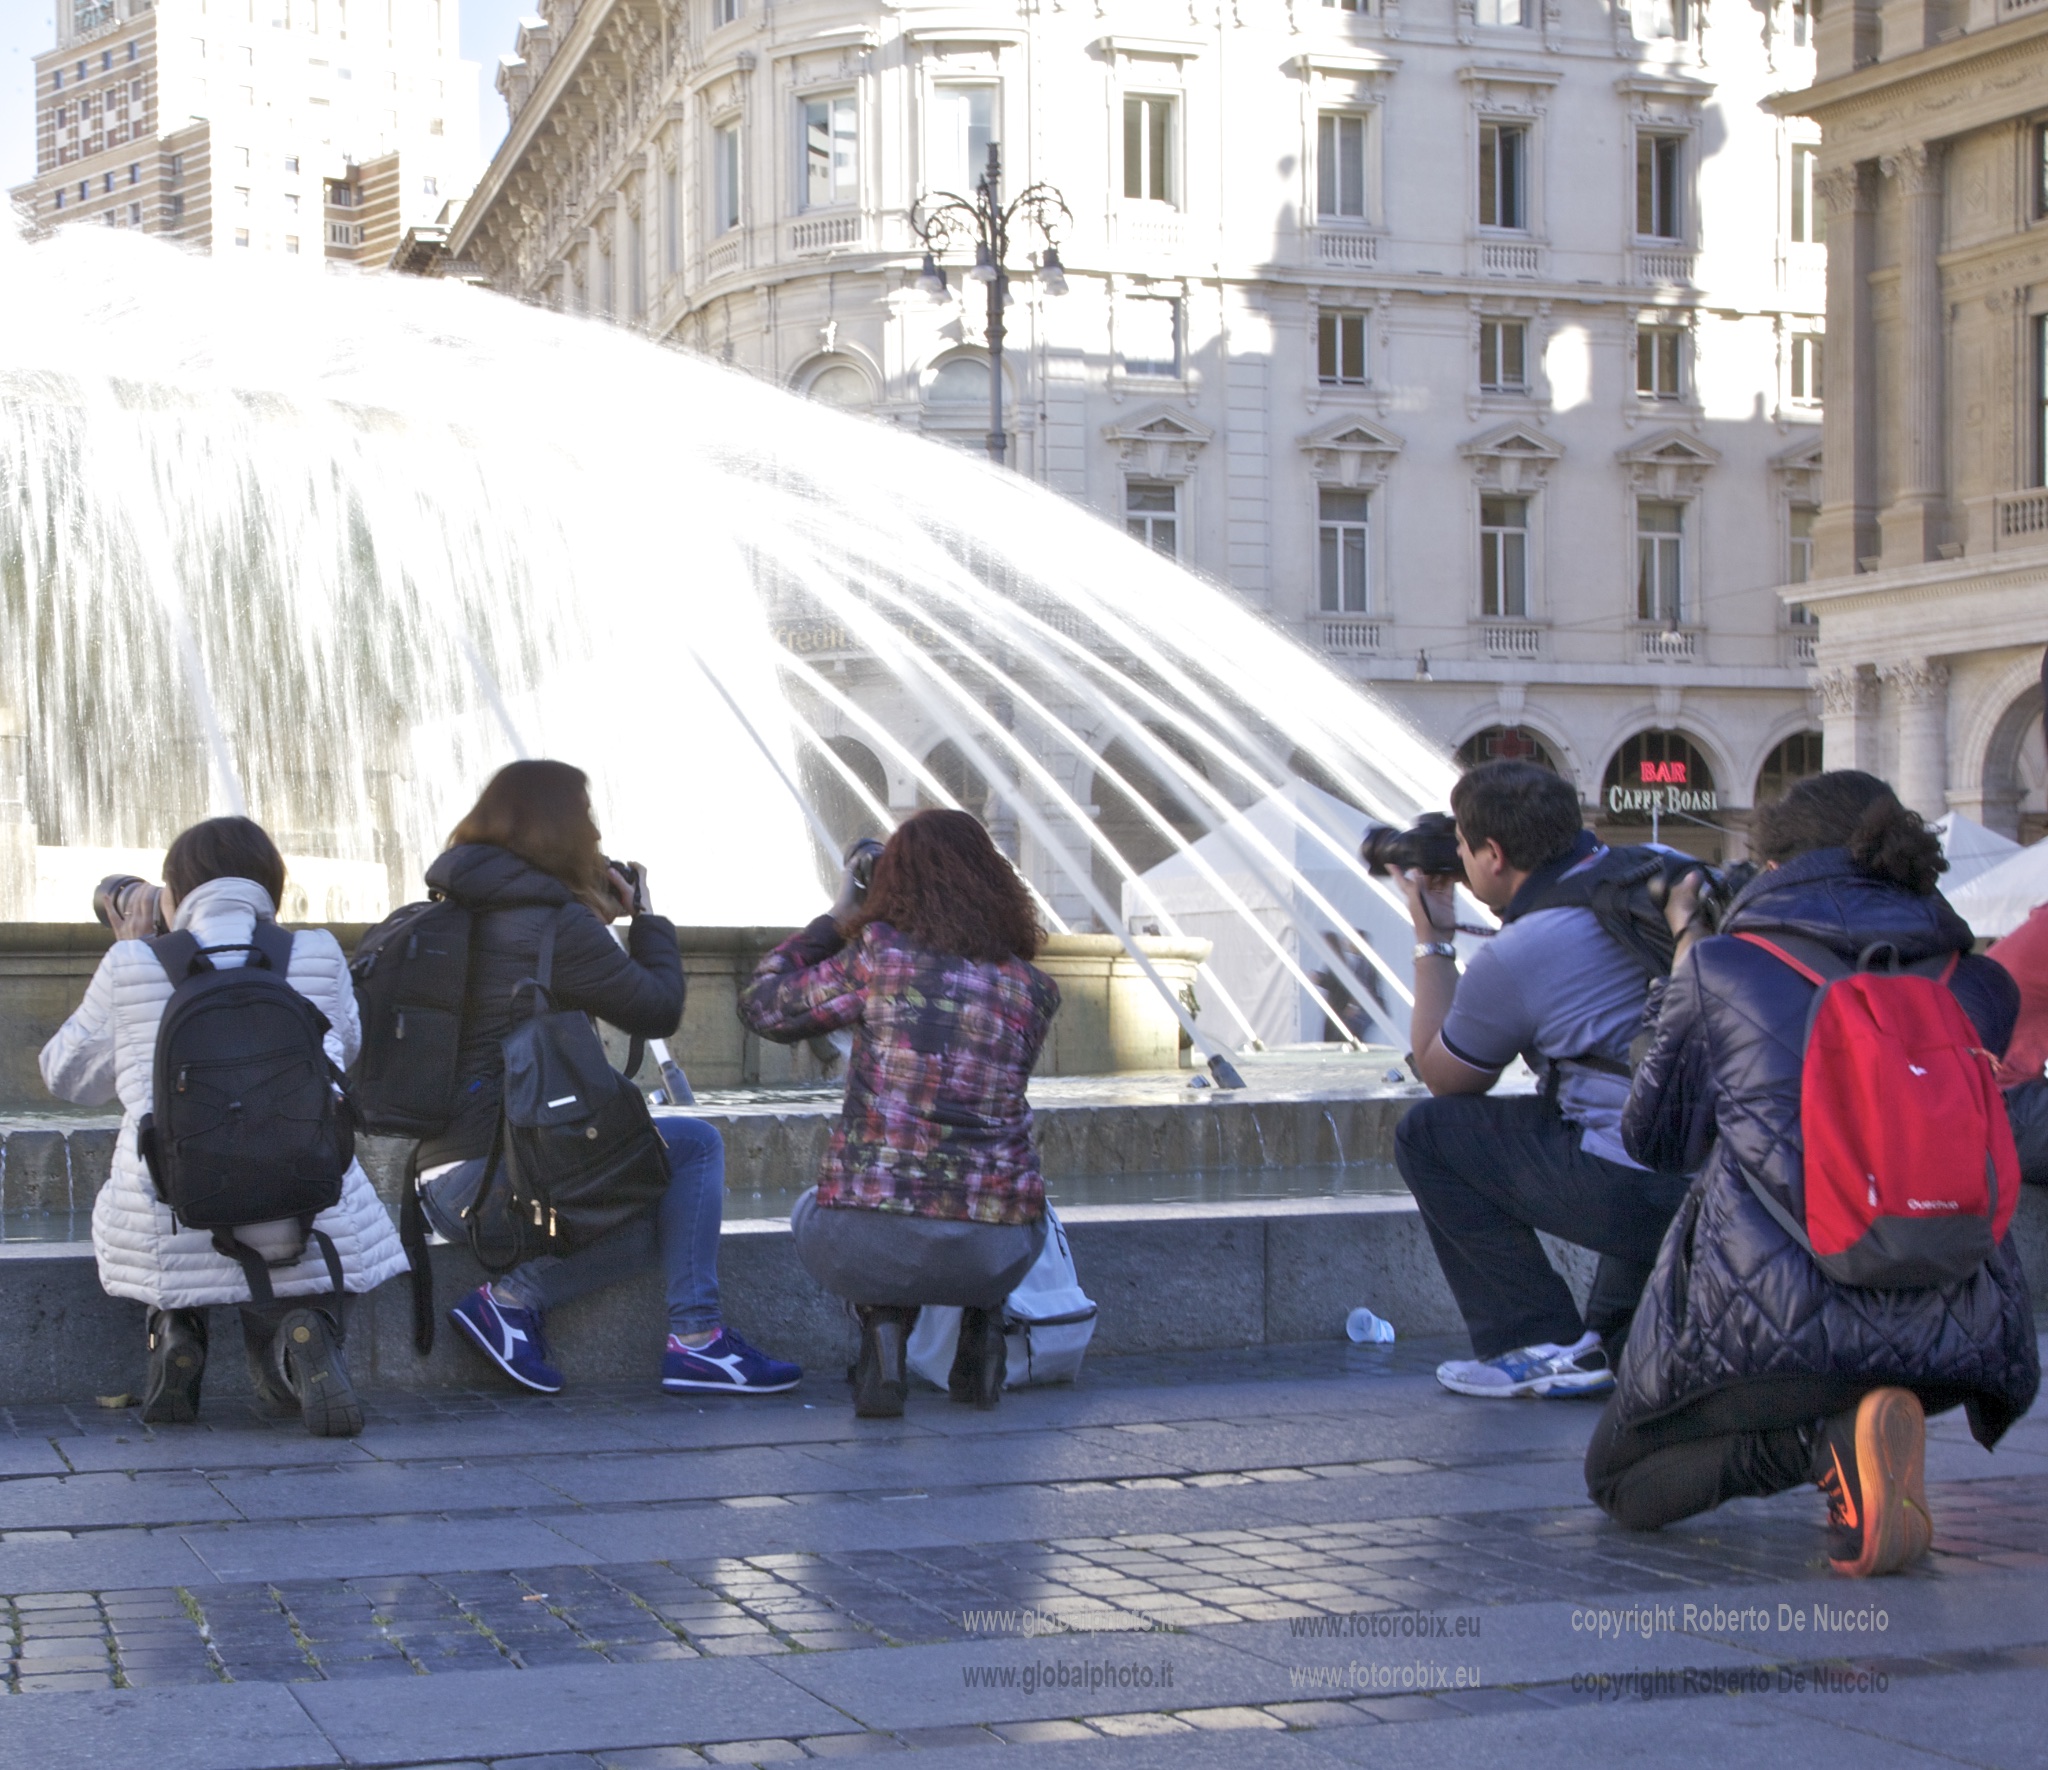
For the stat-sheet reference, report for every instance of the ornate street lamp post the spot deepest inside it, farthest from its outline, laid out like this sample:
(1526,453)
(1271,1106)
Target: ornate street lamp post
(944,219)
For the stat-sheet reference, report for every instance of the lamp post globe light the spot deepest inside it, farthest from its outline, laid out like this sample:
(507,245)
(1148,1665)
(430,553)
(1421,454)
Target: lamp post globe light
(944,220)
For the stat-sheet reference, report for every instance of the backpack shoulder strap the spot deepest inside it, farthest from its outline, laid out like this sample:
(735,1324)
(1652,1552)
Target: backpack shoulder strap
(1814,962)
(274,943)
(544,967)
(179,954)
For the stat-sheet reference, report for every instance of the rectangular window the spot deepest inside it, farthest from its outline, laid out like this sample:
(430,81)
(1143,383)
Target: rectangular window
(636,268)
(1340,548)
(1809,221)
(724,12)
(1340,349)
(963,125)
(1660,554)
(1148,335)
(177,208)
(2041,171)
(134,214)
(1659,361)
(1802,23)
(1503,356)
(831,151)
(1148,149)
(1503,153)
(1659,160)
(725,178)
(1799,556)
(134,173)
(1349,5)
(1152,514)
(291,202)
(1502,12)
(291,245)
(241,196)
(1504,557)
(1340,166)
(671,221)
(1665,19)
(1806,362)
(241,236)
(2041,399)
(291,163)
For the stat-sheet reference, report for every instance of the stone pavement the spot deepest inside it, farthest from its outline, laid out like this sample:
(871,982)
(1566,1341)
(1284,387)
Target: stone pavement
(1297,1556)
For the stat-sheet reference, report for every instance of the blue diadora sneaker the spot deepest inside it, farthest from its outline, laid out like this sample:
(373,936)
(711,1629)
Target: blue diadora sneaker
(728,1365)
(1578,1369)
(510,1338)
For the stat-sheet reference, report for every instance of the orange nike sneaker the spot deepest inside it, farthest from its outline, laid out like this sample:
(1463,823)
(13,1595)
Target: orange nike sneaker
(1871,1463)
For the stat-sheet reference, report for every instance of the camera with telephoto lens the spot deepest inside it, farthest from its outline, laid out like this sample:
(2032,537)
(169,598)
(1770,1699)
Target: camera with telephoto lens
(133,908)
(860,863)
(1431,847)
(635,876)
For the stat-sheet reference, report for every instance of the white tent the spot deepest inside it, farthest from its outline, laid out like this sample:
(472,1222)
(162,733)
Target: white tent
(1999,899)
(1280,1010)
(1971,849)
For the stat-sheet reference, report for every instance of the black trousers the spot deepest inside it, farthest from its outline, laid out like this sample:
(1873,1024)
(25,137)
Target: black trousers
(1652,1475)
(1489,1173)
(2027,1107)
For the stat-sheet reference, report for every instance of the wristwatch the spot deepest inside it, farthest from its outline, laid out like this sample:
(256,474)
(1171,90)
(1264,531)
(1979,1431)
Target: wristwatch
(1436,949)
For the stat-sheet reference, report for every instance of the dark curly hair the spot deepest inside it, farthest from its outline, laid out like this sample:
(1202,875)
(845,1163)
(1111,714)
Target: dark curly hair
(1846,808)
(942,882)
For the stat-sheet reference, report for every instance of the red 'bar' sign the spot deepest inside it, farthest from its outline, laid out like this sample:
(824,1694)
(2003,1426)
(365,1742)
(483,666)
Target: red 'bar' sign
(1664,773)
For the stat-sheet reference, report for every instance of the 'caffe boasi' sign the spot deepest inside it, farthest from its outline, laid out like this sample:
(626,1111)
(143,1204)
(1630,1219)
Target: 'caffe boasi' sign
(1664,788)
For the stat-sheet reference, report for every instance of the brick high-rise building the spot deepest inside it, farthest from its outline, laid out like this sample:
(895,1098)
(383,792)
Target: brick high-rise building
(302,128)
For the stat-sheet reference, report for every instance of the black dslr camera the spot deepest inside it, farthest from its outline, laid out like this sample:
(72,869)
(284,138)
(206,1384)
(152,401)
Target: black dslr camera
(635,876)
(1431,847)
(860,862)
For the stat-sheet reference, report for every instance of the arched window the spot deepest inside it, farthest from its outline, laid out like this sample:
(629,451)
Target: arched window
(1795,760)
(846,815)
(842,385)
(961,382)
(1505,743)
(1125,826)
(960,778)
(1661,771)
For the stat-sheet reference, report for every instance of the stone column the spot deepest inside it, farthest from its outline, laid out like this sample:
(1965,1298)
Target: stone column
(1919,692)
(1846,530)
(17,823)
(1913,520)
(1848,733)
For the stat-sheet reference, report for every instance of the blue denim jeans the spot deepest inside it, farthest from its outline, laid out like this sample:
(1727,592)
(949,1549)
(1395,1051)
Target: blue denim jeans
(680,1235)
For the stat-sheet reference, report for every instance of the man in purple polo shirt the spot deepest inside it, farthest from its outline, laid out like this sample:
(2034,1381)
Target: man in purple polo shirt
(1489,1171)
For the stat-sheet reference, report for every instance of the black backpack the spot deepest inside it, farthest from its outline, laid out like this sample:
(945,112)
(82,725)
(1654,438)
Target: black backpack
(250,1121)
(576,1153)
(410,973)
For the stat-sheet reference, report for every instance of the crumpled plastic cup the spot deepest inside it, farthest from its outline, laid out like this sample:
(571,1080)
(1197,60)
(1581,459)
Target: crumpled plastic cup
(1368,1329)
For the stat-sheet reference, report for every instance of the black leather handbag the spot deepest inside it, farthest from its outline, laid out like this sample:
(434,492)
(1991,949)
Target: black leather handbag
(576,1153)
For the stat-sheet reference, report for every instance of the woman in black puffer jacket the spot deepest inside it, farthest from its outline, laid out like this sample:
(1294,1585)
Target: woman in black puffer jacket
(526,863)
(1748,1371)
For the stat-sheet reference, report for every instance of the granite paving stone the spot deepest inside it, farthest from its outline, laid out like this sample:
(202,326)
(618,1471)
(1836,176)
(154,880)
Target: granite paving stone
(1298,1534)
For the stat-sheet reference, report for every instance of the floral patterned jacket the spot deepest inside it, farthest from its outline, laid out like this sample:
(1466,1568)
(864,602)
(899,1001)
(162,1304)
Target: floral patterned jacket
(935,1122)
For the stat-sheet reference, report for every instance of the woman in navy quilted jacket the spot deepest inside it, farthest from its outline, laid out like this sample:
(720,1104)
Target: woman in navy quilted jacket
(930,1190)
(1749,1371)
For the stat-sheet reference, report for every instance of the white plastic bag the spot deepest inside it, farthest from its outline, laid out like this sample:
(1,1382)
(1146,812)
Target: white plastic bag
(1049,1321)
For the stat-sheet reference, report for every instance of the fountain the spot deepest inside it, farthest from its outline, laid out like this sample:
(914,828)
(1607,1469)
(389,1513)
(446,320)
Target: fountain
(331,549)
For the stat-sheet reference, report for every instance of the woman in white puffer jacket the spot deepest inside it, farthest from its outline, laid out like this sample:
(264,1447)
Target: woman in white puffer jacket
(220,877)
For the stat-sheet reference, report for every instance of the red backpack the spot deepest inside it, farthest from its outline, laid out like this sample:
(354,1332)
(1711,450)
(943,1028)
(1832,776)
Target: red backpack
(1911,1175)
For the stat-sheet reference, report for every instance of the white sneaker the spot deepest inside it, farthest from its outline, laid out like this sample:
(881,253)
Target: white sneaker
(1578,1369)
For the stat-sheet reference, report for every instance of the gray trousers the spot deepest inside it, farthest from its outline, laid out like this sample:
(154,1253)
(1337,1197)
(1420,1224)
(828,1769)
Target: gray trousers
(894,1260)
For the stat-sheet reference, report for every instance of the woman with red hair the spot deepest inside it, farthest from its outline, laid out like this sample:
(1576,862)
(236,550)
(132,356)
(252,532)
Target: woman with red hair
(929,1191)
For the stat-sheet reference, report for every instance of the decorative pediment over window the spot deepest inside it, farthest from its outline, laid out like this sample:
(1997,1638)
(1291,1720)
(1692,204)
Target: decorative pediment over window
(1350,452)
(1159,442)
(1512,458)
(1798,470)
(1669,464)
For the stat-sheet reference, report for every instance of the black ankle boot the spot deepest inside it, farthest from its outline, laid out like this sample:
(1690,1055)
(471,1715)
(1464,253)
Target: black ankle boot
(177,1363)
(982,1359)
(306,1359)
(880,1382)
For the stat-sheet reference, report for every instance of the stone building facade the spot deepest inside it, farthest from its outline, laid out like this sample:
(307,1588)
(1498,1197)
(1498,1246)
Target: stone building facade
(1931,547)
(307,129)
(1478,341)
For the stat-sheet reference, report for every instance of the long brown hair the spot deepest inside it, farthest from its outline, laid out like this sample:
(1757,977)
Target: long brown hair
(942,882)
(541,812)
